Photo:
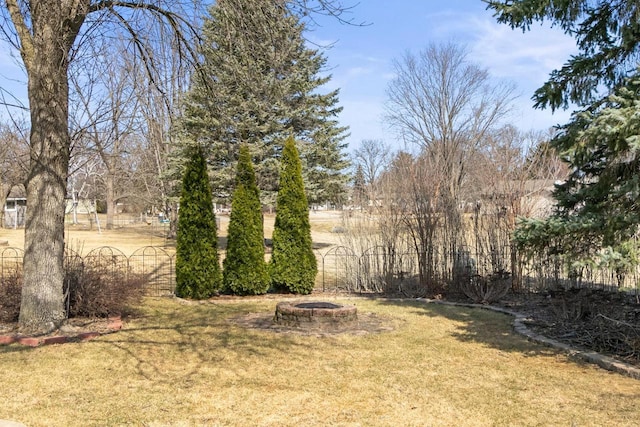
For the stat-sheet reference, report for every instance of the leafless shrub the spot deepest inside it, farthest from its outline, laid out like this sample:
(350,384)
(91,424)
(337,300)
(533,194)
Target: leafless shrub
(571,306)
(606,322)
(615,336)
(411,287)
(91,291)
(95,290)
(487,289)
(10,294)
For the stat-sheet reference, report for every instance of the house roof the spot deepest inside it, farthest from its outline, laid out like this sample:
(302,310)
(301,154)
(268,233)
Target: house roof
(17,192)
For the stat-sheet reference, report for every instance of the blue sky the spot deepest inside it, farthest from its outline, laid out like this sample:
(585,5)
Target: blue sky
(361,58)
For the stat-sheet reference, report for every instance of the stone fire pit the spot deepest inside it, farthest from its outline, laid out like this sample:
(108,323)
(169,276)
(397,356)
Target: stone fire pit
(314,314)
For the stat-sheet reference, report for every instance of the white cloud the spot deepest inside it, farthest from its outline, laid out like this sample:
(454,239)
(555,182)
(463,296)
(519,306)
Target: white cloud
(508,53)
(526,117)
(525,59)
(513,54)
(362,61)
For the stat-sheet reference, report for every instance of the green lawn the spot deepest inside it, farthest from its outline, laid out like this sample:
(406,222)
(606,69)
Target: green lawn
(187,365)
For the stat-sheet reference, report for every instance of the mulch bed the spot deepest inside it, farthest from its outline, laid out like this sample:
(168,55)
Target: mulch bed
(588,319)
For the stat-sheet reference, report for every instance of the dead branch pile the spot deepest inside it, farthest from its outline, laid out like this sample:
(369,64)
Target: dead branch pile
(602,321)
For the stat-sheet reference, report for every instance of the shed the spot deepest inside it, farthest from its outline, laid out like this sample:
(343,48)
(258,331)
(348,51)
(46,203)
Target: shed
(15,209)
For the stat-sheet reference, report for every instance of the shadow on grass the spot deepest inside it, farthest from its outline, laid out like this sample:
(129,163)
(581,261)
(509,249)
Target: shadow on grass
(182,341)
(478,325)
(14,348)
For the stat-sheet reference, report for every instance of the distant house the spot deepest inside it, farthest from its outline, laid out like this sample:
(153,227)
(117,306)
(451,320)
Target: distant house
(15,209)
(80,206)
(534,196)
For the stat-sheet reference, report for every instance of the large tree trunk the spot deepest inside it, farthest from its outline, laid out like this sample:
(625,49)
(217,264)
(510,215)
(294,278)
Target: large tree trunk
(42,294)
(45,56)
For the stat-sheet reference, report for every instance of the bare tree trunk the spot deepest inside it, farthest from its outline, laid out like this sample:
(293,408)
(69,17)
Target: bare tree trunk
(173,220)
(42,306)
(110,199)
(4,194)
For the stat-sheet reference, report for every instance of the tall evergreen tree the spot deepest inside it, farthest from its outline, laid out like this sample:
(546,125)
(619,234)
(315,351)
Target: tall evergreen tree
(197,265)
(597,206)
(260,84)
(293,265)
(606,34)
(245,270)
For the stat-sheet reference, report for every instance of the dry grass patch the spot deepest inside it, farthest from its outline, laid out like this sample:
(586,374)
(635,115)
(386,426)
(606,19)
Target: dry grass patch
(187,364)
(131,237)
(80,239)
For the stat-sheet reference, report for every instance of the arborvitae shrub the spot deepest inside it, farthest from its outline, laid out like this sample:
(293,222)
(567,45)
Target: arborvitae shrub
(245,270)
(198,274)
(293,265)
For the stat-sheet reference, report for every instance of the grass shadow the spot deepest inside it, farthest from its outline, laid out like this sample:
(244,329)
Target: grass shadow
(478,325)
(195,338)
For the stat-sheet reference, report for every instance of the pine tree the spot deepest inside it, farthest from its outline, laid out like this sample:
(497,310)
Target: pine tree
(293,265)
(197,265)
(261,83)
(245,270)
(597,206)
(606,34)
(359,193)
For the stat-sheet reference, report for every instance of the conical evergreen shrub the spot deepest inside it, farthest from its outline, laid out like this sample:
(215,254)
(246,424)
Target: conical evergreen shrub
(293,265)
(198,273)
(245,270)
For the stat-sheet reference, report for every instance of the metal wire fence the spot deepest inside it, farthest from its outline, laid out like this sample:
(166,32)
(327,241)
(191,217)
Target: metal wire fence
(153,263)
(382,270)
(374,270)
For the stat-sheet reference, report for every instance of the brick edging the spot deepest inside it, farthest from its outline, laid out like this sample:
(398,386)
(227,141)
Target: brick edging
(606,362)
(114,324)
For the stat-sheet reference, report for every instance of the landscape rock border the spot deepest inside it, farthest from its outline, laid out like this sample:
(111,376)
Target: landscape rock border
(114,324)
(605,362)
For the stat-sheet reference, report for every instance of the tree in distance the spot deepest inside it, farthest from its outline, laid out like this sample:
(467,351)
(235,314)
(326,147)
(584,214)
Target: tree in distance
(261,82)
(197,266)
(293,265)
(245,270)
